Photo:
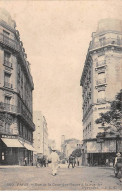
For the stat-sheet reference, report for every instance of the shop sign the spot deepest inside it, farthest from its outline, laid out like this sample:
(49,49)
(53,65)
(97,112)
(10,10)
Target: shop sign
(93,147)
(9,136)
(109,146)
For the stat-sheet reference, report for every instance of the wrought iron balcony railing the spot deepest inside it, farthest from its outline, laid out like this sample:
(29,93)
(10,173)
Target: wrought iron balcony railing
(101,100)
(8,107)
(9,42)
(23,111)
(8,85)
(17,110)
(7,63)
(107,41)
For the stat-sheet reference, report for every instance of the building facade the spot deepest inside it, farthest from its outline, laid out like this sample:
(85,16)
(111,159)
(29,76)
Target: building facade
(101,81)
(68,146)
(40,134)
(16,86)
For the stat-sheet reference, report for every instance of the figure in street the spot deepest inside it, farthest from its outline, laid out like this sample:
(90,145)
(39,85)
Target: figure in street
(25,160)
(55,160)
(118,164)
(44,161)
(71,161)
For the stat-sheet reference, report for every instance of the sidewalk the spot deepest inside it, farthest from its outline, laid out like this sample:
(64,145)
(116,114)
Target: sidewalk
(13,166)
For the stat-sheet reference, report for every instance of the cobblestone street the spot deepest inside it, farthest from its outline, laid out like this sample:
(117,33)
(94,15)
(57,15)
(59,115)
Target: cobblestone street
(79,178)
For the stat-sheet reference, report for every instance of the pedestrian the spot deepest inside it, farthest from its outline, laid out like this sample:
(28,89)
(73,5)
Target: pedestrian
(118,156)
(44,161)
(25,160)
(71,161)
(78,162)
(55,160)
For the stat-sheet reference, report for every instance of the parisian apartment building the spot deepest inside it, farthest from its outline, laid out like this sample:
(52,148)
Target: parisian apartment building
(40,135)
(101,80)
(16,88)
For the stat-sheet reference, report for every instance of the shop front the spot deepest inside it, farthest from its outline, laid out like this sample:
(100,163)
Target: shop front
(102,153)
(14,152)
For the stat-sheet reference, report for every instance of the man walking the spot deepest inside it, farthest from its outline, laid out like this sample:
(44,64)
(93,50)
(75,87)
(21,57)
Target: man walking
(71,161)
(25,160)
(55,159)
(118,161)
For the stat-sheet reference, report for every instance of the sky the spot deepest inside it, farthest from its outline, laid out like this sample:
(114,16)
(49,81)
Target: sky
(56,36)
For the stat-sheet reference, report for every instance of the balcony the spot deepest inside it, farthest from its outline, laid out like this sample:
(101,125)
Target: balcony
(8,107)
(8,85)
(101,100)
(101,70)
(106,42)
(24,113)
(9,42)
(101,82)
(7,64)
(17,110)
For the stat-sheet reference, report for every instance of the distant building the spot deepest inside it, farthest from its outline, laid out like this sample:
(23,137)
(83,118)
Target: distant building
(41,133)
(16,87)
(69,145)
(101,80)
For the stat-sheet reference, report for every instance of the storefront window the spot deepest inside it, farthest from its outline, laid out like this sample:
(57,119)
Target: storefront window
(3,156)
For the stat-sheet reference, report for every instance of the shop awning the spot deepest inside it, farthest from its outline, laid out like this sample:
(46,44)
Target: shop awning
(29,147)
(14,143)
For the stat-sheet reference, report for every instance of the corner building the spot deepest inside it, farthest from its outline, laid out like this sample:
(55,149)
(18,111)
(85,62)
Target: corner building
(101,80)
(16,86)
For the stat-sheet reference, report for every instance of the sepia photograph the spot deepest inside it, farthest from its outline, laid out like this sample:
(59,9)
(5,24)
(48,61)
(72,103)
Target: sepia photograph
(60,95)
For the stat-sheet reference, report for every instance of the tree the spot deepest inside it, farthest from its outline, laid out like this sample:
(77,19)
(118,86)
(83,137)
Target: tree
(112,119)
(77,152)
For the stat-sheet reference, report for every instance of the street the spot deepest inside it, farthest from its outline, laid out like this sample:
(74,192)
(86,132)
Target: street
(79,178)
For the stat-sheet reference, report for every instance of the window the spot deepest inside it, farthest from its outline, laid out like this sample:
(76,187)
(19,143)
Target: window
(7,78)
(101,97)
(7,99)
(7,56)
(6,36)
(3,156)
(101,94)
(101,76)
(7,127)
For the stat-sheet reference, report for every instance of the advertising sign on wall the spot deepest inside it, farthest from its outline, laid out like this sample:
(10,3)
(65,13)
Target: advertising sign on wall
(93,147)
(109,146)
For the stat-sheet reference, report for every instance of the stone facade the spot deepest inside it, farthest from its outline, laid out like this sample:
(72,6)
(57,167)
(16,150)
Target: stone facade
(16,86)
(101,78)
(68,146)
(40,134)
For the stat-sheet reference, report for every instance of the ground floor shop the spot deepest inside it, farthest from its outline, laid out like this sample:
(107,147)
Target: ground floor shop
(101,153)
(101,159)
(15,152)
